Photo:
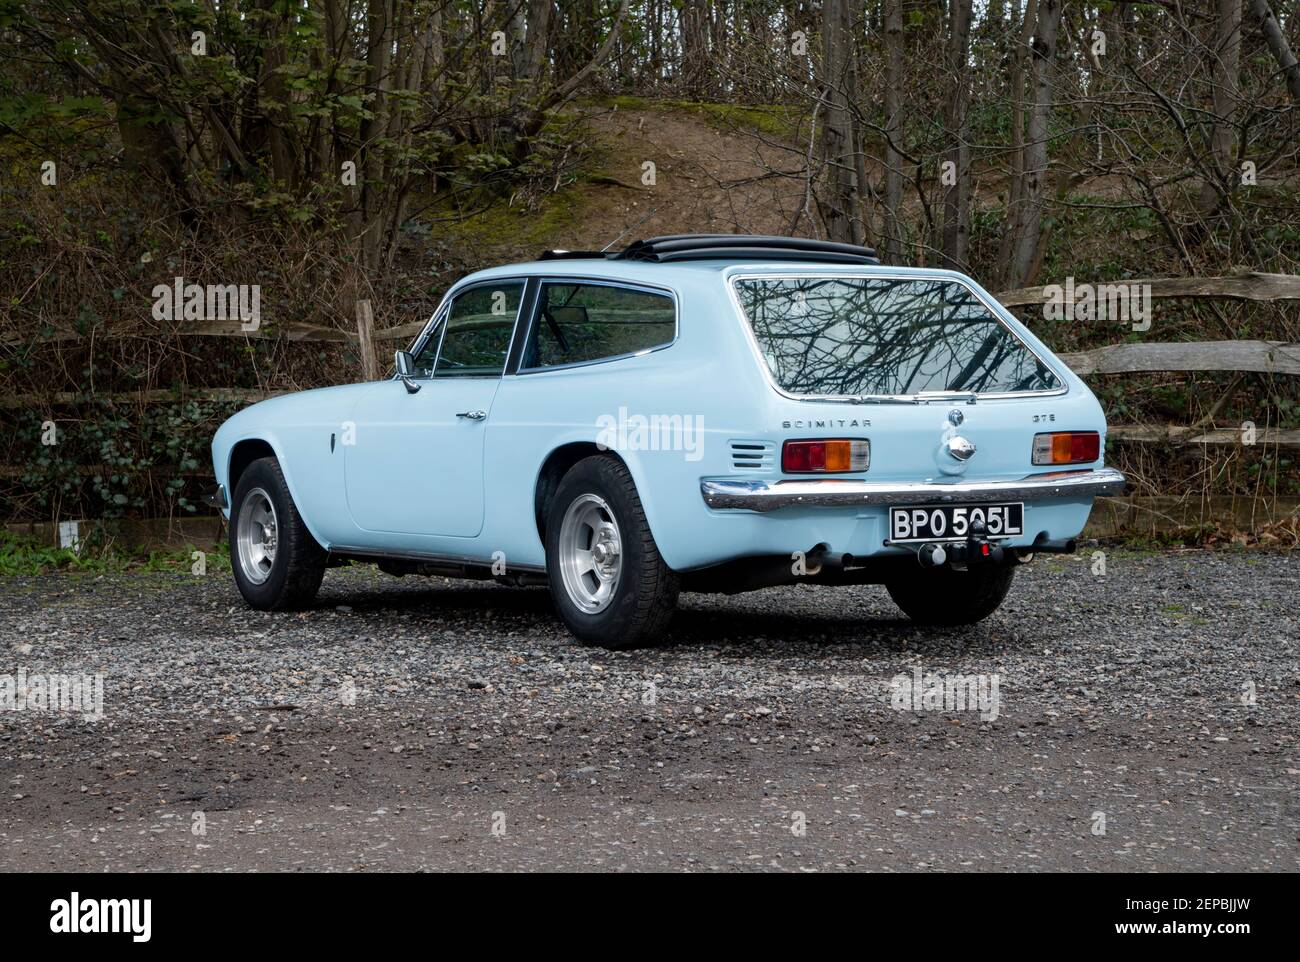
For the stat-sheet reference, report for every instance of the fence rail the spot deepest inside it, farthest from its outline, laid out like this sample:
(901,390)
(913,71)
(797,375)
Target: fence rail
(1238,356)
(233,328)
(1267,357)
(1172,434)
(1252,286)
(1261,357)
(159,396)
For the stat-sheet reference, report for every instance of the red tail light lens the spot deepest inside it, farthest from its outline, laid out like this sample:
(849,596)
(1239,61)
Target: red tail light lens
(1067,447)
(829,456)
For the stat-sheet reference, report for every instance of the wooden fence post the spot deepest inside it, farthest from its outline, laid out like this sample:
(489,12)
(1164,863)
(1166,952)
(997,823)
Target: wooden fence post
(366,340)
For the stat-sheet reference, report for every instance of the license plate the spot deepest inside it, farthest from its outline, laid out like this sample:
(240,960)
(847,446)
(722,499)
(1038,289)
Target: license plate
(951,522)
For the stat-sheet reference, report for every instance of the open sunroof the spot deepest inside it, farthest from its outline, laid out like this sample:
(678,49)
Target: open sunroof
(689,247)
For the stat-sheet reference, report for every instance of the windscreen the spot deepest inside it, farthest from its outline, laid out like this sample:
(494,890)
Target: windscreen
(852,336)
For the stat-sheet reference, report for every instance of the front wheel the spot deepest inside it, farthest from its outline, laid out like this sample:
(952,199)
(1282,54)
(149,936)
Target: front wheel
(278,564)
(946,596)
(608,581)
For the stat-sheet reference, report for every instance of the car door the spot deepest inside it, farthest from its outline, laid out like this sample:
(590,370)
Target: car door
(414,461)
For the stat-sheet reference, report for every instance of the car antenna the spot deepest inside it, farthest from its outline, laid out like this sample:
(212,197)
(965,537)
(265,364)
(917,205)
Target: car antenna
(629,230)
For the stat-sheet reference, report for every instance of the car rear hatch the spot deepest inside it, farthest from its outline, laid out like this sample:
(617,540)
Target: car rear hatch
(922,366)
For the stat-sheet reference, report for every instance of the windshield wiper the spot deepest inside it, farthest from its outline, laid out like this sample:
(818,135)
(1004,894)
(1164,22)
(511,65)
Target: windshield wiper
(970,397)
(880,399)
(921,397)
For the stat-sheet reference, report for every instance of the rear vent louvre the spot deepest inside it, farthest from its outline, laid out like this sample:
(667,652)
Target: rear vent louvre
(752,455)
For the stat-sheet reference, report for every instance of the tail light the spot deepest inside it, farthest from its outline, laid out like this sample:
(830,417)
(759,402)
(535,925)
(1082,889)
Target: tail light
(1067,447)
(826,456)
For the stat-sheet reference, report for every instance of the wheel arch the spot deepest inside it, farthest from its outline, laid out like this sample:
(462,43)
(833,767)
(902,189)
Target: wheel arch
(247,450)
(243,454)
(564,457)
(553,470)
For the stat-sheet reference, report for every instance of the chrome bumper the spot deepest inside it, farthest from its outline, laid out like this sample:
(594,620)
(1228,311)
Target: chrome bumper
(215,495)
(725,494)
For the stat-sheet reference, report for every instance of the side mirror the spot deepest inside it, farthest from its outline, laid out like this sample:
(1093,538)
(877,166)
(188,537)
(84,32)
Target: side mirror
(405,365)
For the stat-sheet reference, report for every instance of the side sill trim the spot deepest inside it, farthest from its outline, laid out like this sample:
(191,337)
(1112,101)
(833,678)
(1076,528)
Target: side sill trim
(745,495)
(378,553)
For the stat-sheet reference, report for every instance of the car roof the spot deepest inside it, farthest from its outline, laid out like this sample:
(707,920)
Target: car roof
(698,252)
(666,261)
(666,275)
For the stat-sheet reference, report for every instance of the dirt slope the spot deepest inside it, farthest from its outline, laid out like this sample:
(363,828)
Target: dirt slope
(706,179)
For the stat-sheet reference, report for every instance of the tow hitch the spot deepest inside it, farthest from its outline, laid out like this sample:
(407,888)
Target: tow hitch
(976,549)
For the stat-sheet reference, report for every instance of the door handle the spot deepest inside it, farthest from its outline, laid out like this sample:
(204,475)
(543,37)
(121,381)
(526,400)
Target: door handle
(473,415)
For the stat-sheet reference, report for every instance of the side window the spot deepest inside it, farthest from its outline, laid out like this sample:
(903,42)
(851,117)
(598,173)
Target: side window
(478,331)
(588,322)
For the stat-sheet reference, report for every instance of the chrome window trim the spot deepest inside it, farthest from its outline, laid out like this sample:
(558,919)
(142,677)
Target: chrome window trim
(430,326)
(731,279)
(581,281)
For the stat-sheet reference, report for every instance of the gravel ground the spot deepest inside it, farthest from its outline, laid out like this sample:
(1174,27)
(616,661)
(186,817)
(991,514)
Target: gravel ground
(415,724)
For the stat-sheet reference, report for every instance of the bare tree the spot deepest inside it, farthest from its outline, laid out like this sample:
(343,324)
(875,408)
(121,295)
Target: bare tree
(1224,68)
(838,211)
(956,201)
(695,45)
(893,131)
(1278,46)
(1027,226)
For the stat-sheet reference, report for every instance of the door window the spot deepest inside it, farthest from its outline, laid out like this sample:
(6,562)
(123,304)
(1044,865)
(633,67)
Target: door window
(475,338)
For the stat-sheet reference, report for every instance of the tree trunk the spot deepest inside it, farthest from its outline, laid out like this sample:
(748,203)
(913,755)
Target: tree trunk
(893,239)
(275,93)
(1016,167)
(695,45)
(379,25)
(1224,69)
(837,131)
(956,200)
(1278,46)
(536,39)
(1029,224)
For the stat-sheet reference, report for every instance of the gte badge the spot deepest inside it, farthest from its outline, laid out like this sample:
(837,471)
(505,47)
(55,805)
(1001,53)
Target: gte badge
(76,915)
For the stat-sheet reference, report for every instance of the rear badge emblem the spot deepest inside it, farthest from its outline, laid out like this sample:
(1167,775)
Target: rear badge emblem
(960,448)
(955,416)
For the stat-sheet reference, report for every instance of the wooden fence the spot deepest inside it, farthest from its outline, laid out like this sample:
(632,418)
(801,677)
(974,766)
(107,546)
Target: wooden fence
(1268,357)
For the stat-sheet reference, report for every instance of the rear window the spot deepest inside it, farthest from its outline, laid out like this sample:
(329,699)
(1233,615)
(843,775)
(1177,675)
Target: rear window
(854,336)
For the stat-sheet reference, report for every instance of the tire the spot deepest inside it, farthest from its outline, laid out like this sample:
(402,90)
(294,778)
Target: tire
(945,596)
(622,604)
(291,575)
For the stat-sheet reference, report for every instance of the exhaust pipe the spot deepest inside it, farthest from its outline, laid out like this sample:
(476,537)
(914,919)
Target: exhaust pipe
(1048,545)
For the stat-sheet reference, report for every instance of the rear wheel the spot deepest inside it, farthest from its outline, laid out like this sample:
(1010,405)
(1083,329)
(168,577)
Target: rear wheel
(278,564)
(608,581)
(946,596)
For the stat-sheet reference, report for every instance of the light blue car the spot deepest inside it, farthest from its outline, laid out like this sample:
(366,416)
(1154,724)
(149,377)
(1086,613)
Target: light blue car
(694,413)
